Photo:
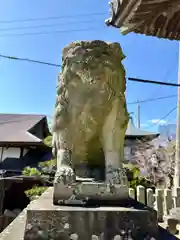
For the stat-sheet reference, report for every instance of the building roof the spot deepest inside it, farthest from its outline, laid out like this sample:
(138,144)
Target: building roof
(158,18)
(16,128)
(134,132)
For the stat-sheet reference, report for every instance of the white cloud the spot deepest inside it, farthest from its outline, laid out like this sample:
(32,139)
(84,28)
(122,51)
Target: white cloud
(158,121)
(144,124)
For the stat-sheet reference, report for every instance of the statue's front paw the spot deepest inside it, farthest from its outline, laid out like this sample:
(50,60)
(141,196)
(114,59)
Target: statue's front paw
(116,176)
(65,175)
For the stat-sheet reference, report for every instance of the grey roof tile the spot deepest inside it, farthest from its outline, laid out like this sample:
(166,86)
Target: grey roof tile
(133,131)
(15,127)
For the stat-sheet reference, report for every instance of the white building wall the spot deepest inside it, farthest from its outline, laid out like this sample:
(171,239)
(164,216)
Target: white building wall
(11,152)
(25,151)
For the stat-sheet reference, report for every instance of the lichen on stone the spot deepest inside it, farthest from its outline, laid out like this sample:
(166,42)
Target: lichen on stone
(91,83)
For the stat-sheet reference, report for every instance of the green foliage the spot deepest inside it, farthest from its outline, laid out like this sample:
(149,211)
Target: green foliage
(48,141)
(34,192)
(48,164)
(44,167)
(31,172)
(135,178)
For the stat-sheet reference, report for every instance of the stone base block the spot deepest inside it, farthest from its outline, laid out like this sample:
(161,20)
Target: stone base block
(88,190)
(47,221)
(173,220)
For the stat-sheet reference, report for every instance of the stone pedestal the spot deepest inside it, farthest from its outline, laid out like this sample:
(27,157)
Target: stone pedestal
(173,219)
(47,221)
(88,190)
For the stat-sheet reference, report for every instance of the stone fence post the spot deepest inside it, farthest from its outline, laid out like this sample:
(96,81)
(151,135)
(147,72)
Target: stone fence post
(163,200)
(150,198)
(141,194)
(168,201)
(176,197)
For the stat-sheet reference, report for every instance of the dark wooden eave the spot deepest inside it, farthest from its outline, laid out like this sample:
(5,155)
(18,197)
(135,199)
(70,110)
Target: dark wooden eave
(33,145)
(160,18)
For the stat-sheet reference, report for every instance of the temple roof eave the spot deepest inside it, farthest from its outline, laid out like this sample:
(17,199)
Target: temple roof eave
(159,18)
(133,132)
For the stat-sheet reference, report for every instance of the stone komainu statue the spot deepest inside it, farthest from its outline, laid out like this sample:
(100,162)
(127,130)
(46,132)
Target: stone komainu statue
(90,112)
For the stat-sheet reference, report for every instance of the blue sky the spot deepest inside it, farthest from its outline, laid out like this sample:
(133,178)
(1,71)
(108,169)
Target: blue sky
(30,88)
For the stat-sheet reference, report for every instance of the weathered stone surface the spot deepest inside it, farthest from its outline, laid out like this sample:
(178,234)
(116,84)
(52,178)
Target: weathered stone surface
(89,190)
(15,230)
(47,221)
(175,213)
(91,116)
(173,219)
(103,191)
